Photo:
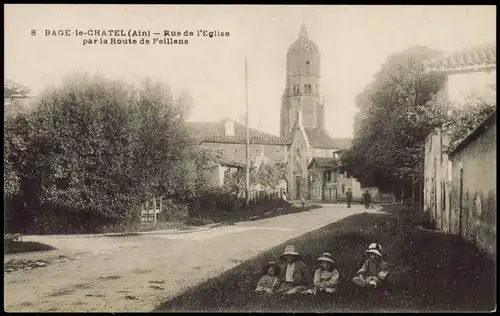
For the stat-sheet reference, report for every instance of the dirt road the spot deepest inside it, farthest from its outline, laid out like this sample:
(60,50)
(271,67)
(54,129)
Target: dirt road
(135,273)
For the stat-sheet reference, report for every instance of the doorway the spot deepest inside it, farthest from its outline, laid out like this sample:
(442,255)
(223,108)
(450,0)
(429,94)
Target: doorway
(297,186)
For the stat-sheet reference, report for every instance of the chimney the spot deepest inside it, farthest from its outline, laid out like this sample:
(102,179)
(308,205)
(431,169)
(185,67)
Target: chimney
(229,128)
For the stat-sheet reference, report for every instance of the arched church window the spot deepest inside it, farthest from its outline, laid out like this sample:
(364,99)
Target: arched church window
(308,62)
(296,89)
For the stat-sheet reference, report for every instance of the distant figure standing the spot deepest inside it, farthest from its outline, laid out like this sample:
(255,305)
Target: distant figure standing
(367,198)
(348,196)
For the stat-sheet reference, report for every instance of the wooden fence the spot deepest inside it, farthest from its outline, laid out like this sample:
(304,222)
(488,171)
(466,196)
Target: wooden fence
(152,208)
(150,211)
(256,197)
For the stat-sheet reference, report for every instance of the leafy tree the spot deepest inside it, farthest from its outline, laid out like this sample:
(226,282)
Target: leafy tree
(391,126)
(92,150)
(266,176)
(185,101)
(459,120)
(270,175)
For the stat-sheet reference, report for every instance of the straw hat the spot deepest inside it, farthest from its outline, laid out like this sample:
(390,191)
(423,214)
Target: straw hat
(326,257)
(376,249)
(290,250)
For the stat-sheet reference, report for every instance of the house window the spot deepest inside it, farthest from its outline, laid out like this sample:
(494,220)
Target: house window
(307,46)
(343,188)
(328,176)
(308,62)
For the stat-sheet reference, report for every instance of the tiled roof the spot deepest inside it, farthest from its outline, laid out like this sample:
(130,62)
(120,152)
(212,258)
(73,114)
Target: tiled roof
(319,138)
(214,132)
(476,58)
(323,162)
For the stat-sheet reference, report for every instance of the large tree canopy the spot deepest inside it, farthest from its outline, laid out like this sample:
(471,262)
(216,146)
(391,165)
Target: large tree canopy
(459,120)
(94,148)
(391,125)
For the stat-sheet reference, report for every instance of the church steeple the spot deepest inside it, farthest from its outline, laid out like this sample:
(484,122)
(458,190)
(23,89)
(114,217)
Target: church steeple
(301,99)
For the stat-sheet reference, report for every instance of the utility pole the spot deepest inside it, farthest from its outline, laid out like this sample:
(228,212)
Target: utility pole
(247,173)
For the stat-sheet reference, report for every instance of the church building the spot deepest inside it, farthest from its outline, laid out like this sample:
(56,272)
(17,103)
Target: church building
(302,123)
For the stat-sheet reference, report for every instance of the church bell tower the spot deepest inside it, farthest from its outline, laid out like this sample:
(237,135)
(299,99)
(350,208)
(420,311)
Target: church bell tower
(301,100)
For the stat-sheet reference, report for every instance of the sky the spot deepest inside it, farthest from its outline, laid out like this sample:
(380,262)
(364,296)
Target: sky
(353,41)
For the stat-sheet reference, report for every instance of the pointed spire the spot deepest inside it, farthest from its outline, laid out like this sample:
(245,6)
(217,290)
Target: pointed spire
(303,30)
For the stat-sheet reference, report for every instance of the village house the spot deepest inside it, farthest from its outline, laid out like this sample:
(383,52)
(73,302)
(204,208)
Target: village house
(227,139)
(329,185)
(460,179)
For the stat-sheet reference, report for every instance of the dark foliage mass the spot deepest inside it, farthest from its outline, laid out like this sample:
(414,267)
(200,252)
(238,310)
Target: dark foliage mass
(392,123)
(90,152)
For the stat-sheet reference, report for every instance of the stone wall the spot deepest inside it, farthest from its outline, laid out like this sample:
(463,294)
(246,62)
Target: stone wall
(436,181)
(475,217)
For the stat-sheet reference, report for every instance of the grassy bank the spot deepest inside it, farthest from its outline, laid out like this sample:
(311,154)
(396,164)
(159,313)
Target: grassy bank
(26,246)
(263,210)
(431,270)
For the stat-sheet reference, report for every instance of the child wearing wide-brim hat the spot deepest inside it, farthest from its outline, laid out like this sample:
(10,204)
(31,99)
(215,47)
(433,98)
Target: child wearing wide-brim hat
(374,269)
(294,277)
(269,281)
(326,278)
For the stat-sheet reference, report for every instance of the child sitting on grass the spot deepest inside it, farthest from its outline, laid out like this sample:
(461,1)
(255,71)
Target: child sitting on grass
(294,277)
(374,271)
(270,281)
(326,278)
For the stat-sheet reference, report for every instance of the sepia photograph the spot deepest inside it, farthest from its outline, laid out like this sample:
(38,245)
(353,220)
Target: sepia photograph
(249,158)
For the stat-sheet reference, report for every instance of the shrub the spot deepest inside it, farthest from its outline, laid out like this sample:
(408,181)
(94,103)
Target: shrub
(172,211)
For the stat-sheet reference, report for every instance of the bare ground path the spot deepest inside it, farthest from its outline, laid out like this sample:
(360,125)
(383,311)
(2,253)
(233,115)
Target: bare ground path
(135,273)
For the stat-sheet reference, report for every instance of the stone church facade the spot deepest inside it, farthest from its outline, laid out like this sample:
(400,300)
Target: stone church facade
(302,123)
